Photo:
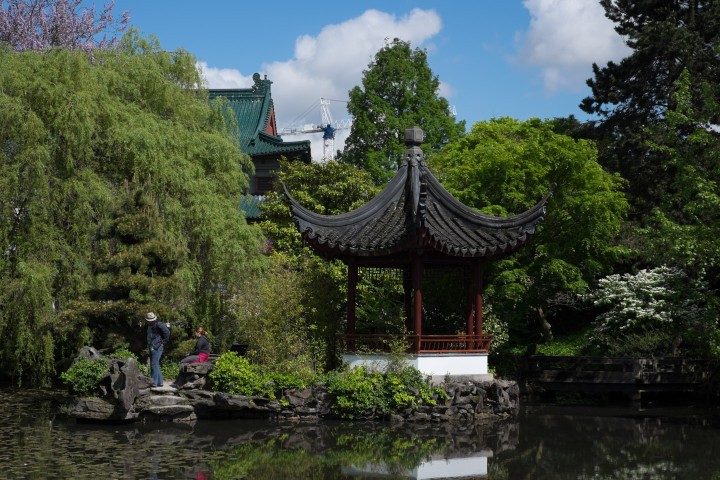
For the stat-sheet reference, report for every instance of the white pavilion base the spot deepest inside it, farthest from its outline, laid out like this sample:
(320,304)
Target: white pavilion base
(475,465)
(459,366)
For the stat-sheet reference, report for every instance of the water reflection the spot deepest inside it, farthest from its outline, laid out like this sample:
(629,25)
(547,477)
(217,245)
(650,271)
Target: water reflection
(38,442)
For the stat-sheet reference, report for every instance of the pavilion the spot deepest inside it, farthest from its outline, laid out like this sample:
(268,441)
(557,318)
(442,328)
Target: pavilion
(415,225)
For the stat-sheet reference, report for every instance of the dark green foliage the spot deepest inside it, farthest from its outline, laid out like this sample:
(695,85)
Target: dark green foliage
(399,90)
(359,391)
(84,377)
(503,167)
(136,271)
(685,227)
(667,37)
(71,133)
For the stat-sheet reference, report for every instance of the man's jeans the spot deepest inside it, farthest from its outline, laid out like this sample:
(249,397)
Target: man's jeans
(155,373)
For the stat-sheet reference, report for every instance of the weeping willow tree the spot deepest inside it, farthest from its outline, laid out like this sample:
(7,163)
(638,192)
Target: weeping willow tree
(72,132)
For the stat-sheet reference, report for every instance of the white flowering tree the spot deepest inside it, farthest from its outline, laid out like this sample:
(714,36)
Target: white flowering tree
(652,309)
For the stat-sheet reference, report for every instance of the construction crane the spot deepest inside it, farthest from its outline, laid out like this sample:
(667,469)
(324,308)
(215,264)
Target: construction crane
(327,127)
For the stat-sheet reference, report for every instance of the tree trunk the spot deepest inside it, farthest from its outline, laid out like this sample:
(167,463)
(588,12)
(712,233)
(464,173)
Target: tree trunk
(544,325)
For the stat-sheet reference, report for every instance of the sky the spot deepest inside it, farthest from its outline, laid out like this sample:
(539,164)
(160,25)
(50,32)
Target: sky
(513,58)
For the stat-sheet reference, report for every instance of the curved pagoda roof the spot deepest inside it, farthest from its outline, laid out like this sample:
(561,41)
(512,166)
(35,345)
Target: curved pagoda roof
(415,212)
(255,113)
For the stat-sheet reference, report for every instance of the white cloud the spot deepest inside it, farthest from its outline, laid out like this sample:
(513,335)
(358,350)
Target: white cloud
(225,77)
(446,90)
(330,64)
(565,38)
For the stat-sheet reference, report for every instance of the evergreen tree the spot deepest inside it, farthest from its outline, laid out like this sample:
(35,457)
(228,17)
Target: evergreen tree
(631,97)
(399,90)
(137,270)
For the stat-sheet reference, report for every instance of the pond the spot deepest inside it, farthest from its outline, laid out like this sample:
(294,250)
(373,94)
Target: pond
(543,442)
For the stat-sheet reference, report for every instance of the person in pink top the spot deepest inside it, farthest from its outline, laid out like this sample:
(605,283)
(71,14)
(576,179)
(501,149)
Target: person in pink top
(202,348)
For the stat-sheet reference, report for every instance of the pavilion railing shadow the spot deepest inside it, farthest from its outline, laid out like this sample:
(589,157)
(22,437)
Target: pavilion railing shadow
(416,343)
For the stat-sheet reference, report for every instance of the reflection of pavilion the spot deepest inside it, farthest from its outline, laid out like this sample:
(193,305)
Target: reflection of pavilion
(414,225)
(472,466)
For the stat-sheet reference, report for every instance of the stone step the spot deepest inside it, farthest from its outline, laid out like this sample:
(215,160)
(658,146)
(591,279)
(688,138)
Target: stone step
(166,400)
(170,409)
(166,388)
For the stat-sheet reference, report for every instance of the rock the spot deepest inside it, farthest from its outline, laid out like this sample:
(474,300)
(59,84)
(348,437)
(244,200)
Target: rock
(144,382)
(166,400)
(395,418)
(202,368)
(463,400)
(124,382)
(294,400)
(421,417)
(90,353)
(304,394)
(98,409)
(170,409)
(226,401)
(184,417)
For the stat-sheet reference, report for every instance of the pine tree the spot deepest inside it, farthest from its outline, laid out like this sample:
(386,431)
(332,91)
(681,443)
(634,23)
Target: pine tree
(399,90)
(667,37)
(137,270)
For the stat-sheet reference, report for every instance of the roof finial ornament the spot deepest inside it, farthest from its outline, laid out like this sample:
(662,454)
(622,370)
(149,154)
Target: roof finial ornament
(413,156)
(260,84)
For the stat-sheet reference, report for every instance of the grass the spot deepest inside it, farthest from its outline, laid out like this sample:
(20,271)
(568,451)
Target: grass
(570,344)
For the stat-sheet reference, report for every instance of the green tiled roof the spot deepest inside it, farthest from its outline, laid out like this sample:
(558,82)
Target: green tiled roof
(253,107)
(250,205)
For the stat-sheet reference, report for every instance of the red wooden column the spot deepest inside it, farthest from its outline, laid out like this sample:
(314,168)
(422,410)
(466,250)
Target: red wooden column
(417,287)
(352,288)
(469,290)
(468,277)
(478,297)
(407,291)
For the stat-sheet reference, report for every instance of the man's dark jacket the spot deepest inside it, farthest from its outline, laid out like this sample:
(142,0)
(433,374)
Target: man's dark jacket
(160,334)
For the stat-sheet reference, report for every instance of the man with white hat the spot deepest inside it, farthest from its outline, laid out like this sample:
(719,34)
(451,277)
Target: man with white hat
(156,335)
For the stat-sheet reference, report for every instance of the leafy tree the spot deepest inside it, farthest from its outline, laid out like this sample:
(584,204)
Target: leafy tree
(667,37)
(399,90)
(329,188)
(71,134)
(685,228)
(137,271)
(43,24)
(503,167)
(288,316)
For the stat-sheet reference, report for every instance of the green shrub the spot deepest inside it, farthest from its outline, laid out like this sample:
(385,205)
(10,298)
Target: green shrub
(84,377)
(360,390)
(169,367)
(235,375)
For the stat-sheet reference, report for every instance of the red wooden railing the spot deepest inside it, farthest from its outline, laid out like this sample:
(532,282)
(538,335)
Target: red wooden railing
(416,343)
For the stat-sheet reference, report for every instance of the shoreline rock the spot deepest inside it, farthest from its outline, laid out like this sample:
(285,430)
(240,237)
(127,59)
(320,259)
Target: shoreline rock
(125,395)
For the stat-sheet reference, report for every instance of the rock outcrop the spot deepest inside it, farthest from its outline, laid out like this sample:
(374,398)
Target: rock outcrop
(126,395)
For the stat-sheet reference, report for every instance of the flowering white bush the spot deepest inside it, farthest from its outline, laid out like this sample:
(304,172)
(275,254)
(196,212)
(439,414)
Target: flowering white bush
(663,299)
